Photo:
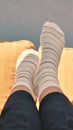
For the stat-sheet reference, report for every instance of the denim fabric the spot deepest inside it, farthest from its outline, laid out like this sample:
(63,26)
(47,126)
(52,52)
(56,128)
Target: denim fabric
(20,113)
(56,112)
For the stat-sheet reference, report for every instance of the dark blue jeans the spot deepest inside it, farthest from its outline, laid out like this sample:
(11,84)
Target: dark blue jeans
(20,113)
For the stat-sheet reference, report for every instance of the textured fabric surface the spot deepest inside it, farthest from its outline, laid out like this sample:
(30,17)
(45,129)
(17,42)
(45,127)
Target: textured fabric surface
(20,113)
(56,112)
(9,52)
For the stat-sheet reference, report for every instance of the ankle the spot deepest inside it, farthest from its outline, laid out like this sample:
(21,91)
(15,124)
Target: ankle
(24,88)
(49,90)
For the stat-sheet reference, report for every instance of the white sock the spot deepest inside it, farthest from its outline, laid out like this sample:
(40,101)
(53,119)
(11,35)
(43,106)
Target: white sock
(25,69)
(52,43)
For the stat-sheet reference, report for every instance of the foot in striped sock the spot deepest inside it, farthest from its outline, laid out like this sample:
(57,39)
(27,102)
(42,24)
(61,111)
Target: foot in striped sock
(25,69)
(52,43)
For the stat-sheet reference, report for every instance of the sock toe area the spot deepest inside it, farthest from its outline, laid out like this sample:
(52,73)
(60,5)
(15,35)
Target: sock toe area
(24,54)
(54,26)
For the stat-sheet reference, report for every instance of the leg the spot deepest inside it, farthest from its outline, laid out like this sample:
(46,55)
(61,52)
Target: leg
(56,111)
(52,43)
(20,112)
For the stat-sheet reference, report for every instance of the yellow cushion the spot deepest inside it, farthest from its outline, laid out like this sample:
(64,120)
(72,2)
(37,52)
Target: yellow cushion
(9,52)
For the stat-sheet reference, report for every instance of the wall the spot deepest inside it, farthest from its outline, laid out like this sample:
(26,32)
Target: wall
(23,19)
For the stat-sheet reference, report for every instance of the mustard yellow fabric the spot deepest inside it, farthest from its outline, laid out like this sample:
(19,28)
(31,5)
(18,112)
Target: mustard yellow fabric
(66,72)
(9,52)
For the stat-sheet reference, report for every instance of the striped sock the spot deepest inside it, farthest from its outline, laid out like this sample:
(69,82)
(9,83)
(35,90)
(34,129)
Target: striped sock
(25,69)
(52,43)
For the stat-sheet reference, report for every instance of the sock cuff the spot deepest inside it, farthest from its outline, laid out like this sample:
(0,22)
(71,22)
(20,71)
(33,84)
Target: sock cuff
(45,86)
(22,83)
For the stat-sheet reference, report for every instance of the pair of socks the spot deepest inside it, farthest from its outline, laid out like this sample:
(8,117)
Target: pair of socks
(38,75)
